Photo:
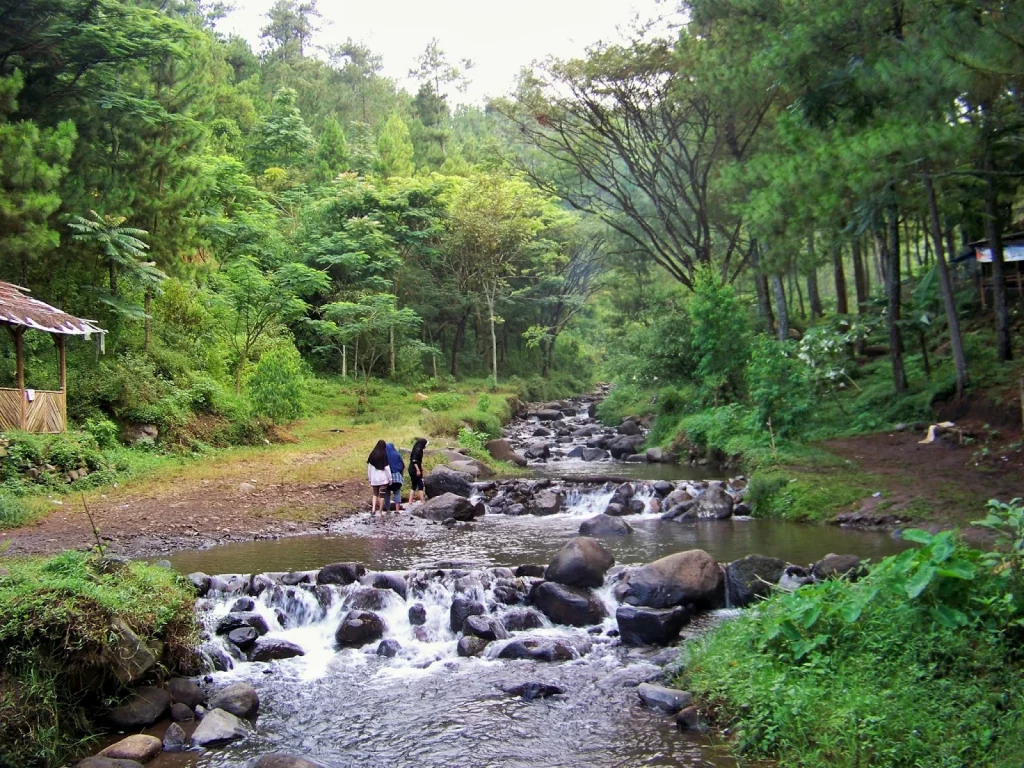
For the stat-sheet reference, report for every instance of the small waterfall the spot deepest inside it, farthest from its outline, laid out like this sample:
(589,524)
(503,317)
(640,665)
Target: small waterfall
(583,502)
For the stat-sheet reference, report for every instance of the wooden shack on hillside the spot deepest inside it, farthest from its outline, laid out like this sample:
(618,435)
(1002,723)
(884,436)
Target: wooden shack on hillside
(1013,266)
(36,410)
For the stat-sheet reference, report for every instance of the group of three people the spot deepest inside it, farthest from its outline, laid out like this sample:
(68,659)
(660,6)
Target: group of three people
(385,470)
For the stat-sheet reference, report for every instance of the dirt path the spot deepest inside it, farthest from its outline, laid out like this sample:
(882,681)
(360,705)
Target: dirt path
(945,483)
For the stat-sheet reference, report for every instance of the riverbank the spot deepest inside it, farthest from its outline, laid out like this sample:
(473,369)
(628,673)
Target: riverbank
(314,475)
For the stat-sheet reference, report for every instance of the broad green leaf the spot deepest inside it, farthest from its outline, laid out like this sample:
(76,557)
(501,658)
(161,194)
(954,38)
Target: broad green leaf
(918,536)
(920,581)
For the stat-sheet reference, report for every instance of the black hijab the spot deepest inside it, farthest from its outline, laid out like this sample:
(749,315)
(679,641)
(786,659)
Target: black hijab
(416,457)
(378,456)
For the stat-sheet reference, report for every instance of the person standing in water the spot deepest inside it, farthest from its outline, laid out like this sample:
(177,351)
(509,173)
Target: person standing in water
(397,467)
(416,470)
(378,472)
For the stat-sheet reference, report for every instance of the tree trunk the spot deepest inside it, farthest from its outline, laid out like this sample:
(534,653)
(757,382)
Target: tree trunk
(994,235)
(891,257)
(842,307)
(799,293)
(148,300)
(460,331)
(391,344)
(782,326)
(764,302)
(952,319)
(113,278)
(813,297)
(344,361)
(860,283)
(494,336)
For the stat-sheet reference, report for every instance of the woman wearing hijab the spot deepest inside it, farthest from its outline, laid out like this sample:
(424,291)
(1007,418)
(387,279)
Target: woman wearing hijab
(397,466)
(416,470)
(378,472)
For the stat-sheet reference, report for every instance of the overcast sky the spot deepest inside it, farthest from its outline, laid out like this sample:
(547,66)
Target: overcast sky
(500,36)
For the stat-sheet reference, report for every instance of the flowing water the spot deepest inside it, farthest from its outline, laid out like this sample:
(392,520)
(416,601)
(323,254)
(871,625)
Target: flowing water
(428,707)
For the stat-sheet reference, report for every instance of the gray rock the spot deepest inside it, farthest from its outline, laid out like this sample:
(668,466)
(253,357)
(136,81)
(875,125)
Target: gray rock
(833,566)
(389,648)
(471,645)
(752,577)
(628,428)
(417,614)
(623,493)
(616,510)
(547,502)
(139,747)
(391,581)
(538,649)
(243,604)
(605,525)
(659,697)
(680,579)
(98,761)
(238,699)
(531,691)
(485,627)
(442,480)
(568,605)
(201,582)
(527,569)
(185,691)
(650,626)
(502,450)
(340,573)
(144,707)
(219,727)
(244,619)
(461,609)
(625,445)
(367,599)
(521,620)
(538,450)
(715,503)
(594,454)
(636,458)
(175,739)
(359,628)
(181,713)
(507,595)
(243,637)
(548,414)
(582,562)
(448,506)
(689,720)
(271,649)
(663,488)
(281,760)
(125,655)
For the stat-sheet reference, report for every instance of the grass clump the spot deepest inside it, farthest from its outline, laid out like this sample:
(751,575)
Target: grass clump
(55,626)
(806,494)
(918,663)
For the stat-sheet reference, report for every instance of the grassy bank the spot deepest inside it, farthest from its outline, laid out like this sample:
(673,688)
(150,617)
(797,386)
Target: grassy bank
(55,645)
(919,663)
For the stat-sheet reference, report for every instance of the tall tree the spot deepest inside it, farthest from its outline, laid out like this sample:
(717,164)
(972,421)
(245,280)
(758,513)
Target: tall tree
(394,149)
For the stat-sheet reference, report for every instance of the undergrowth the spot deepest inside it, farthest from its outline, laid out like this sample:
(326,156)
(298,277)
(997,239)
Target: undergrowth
(919,663)
(55,622)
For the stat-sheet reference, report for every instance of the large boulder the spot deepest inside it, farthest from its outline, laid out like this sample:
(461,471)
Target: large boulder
(668,700)
(126,655)
(139,747)
(270,649)
(629,427)
(752,577)
(448,506)
(243,637)
(471,645)
(417,614)
(238,699)
(144,707)
(359,628)
(385,580)
(522,619)
(442,480)
(389,648)
(502,450)
(691,577)
(582,562)
(281,760)
(574,606)
(546,502)
(594,454)
(714,504)
(537,450)
(605,525)
(175,739)
(461,609)
(833,566)
(650,626)
(367,599)
(548,414)
(185,691)
(340,573)
(624,446)
(538,649)
(219,727)
(99,761)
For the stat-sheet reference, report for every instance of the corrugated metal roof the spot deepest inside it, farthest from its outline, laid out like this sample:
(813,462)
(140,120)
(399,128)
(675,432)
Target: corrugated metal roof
(17,308)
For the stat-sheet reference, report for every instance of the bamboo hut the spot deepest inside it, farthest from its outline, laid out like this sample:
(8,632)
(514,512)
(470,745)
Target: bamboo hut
(35,410)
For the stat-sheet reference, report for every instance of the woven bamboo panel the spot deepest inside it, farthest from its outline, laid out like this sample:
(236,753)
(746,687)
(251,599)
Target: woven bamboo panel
(45,413)
(10,409)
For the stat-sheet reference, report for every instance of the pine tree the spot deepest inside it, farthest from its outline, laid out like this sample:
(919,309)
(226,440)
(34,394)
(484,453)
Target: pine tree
(395,148)
(282,139)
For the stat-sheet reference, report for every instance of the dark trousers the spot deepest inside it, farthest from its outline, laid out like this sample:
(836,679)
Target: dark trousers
(393,491)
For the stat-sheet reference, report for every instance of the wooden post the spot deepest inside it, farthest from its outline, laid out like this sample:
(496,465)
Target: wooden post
(19,353)
(62,360)
(1022,400)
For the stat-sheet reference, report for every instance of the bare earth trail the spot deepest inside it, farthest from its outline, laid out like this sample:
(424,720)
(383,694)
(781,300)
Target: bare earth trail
(236,495)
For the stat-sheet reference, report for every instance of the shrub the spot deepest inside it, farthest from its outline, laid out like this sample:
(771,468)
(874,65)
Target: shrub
(779,387)
(720,336)
(444,401)
(278,385)
(473,440)
(441,425)
(103,431)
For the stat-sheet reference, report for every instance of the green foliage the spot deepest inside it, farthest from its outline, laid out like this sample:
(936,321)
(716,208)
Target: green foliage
(278,385)
(910,665)
(445,401)
(779,388)
(394,149)
(806,495)
(56,623)
(473,440)
(720,336)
